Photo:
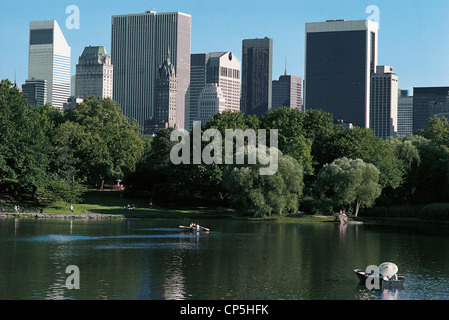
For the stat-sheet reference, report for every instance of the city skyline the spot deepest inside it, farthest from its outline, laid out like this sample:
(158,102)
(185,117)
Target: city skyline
(409,46)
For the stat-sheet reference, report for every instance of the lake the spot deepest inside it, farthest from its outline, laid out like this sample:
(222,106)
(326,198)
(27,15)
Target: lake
(237,260)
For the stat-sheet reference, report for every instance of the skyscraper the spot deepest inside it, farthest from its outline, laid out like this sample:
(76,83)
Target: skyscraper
(287,92)
(210,102)
(405,113)
(36,92)
(223,68)
(257,60)
(340,57)
(49,59)
(384,102)
(198,77)
(427,103)
(220,68)
(139,45)
(94,73)
(166,93)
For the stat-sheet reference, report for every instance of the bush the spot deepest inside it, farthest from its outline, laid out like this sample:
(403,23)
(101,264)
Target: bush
(435,211)
(315,206)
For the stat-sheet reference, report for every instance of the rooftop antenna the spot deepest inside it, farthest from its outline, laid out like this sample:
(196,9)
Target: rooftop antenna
(285,72)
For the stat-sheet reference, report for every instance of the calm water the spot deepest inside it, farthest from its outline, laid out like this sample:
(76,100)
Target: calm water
(141,259)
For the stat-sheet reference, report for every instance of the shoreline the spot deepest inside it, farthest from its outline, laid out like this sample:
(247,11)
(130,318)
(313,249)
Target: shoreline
(295,219)
(64,216)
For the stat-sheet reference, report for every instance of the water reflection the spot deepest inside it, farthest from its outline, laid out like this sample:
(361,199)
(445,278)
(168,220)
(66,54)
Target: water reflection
(379,294)
(174,288)
(237,260)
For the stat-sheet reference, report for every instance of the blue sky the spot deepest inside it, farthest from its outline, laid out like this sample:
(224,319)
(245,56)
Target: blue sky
(413,35)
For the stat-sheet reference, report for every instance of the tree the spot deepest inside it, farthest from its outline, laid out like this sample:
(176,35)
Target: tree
(426,167)
(232,120)
(166,183)
(63,190)
(437,131)
(300,148)
(23,143)
(102,140)
(361,143)
(265,195)
(348,182)
(287,121)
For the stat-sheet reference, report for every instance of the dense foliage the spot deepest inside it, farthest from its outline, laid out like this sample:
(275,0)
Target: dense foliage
(322,167)
(349,184)
(51,155)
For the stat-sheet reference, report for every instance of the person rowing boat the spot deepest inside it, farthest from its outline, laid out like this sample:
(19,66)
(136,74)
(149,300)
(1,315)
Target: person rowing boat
(195,227)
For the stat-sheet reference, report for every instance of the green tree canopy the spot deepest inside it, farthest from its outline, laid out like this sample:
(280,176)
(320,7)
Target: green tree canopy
(265,195)
(103,141)
(232,120)
(23,143)
(426,167)
(158,178)
(346,183)
(437,131)
(361,143)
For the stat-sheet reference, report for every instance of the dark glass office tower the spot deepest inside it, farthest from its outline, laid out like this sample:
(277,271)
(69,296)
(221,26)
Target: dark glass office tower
(427,103)
(257,60)
(340,58)
(35,91)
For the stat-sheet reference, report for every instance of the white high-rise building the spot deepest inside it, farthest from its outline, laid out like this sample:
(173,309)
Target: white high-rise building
(220,68)
(384,102)
(49,59)
(139,44)
(210,102)
(223,68)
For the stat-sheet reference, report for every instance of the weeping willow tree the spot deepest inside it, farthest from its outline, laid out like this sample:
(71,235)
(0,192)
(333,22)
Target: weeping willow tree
(349,183)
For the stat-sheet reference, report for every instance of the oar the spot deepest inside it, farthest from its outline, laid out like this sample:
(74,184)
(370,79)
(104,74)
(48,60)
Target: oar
(206,229)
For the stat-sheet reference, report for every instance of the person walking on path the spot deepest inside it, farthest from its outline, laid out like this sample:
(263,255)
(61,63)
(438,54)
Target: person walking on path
(71,208)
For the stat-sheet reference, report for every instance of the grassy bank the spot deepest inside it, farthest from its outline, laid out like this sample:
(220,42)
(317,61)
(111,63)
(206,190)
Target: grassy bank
(110,202)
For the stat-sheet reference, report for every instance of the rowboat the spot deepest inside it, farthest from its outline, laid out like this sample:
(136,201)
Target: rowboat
(195,229)
(397,282)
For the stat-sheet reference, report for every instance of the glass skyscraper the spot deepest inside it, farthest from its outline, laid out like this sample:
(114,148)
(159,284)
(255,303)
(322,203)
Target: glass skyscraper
(257,69)
(49,59)
(139,44)
(405,113)
(36,92)
(429,102)
(340,57)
